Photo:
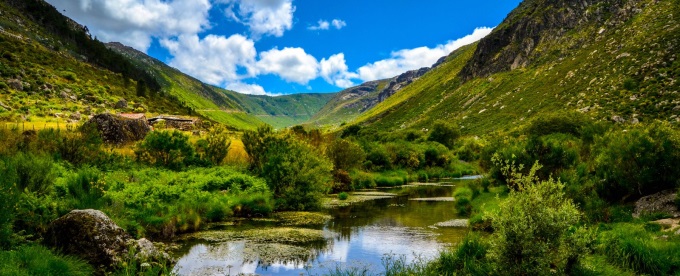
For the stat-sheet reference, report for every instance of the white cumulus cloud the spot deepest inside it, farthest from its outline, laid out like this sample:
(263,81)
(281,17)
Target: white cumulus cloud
(213,59)
(135,22)
(244,88)
(263,17)
(411,59)
(323,25)
(339,24)
(334,71)
(291,64)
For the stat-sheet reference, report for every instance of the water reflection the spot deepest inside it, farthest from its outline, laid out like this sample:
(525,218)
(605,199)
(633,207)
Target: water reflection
(363,233)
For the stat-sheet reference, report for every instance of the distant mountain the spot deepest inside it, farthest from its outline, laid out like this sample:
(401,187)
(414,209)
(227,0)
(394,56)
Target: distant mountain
(352,102)
(613,60)
(228,107)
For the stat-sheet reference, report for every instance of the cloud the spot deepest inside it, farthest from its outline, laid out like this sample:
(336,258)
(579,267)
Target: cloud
(291,64)
(213,59)
(263,17)
(334,71)
(323,25)
(244,88)
(135,22)
(339,24)
(411,59)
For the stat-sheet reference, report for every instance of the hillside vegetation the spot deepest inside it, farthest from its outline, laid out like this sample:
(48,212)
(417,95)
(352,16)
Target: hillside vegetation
(614,61)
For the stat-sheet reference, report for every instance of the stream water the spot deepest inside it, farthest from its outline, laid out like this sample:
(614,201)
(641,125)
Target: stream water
(359,236)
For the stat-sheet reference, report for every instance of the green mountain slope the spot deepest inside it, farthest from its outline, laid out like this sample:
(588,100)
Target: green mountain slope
(612,60)
(52,70)
(228,107)
(352,102)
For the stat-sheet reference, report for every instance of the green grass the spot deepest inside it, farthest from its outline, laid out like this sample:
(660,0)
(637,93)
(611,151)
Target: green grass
(38,260)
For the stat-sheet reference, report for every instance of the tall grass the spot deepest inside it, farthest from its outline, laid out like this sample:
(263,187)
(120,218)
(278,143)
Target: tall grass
(38,260)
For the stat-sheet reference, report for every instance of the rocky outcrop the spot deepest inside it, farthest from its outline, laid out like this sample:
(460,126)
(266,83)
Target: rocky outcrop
(513,44)
(91,235)
(663,202)
(115,129)
(400,82)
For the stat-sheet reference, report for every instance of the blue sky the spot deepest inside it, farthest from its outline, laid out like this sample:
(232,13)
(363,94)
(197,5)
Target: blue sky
(290,46)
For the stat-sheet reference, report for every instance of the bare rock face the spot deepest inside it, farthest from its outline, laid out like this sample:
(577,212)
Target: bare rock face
(115,129)
(662,202)
(512,44)
(91,235)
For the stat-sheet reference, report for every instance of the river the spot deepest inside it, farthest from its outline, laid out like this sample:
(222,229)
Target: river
(357,236)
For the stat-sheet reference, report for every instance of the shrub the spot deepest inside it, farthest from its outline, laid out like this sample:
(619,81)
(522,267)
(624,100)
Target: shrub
(79,146)
(345,155)
(637,162)
(170,149)
(352,130)
(215,147)
(566,123)
(535,229)
(444,133)
(379,159)
(296,174)
(463,196)
(69,75)
(362,180)
(343,196)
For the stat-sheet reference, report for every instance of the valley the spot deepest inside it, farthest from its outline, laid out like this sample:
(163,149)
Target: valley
(547,146)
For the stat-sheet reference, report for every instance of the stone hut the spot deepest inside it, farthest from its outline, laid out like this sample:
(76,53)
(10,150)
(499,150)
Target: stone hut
(184,124)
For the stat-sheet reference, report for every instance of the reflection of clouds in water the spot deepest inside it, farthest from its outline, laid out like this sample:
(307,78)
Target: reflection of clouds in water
(339,252)
(219,259)
(381,240)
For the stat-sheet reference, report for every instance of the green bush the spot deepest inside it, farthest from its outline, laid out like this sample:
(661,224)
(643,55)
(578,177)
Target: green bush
(362,180)
(343,196)
(69,75)
(345,155)
(463,196)
(38,260)
(444,133)
(535,230)
(170,149)
(297,175)
(637,162)
(215,147)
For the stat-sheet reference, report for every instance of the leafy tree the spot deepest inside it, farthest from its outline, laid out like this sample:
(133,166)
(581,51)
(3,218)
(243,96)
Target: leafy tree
(255,143)
(141,88)
(167,149)
(352,130)
(444,133)
(639,161)
(297,175)
(345,155)
(535,229)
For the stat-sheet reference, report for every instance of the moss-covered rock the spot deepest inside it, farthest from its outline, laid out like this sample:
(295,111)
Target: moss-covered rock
(91,235)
